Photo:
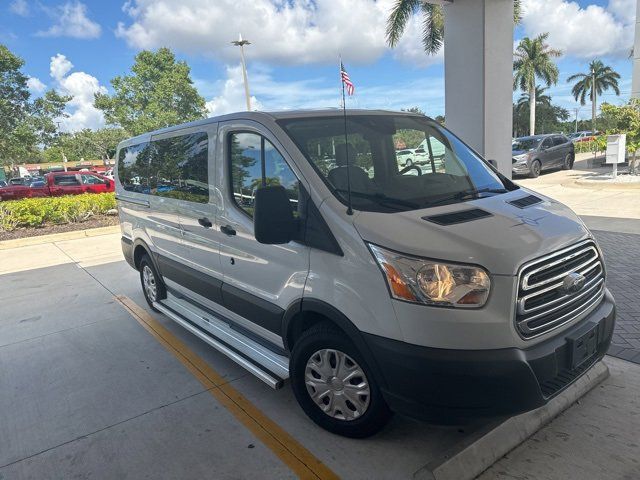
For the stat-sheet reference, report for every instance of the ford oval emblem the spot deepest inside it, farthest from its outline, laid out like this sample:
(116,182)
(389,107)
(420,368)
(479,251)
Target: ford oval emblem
(573,282)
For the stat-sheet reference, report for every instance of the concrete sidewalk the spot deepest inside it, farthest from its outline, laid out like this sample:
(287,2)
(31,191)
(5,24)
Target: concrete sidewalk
(596,439)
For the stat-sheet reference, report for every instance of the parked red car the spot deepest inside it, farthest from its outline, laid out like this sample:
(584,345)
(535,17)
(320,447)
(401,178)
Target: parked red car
(60,183)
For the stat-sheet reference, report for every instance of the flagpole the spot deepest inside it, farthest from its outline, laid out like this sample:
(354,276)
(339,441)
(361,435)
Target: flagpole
(346,142)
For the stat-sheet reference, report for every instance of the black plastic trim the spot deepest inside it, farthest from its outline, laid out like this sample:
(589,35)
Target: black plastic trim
(259,311)
(334,315)
(445,385)
(198,282)
(460,216)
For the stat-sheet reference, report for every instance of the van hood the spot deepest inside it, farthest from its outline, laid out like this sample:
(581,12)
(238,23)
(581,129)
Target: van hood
(500,242)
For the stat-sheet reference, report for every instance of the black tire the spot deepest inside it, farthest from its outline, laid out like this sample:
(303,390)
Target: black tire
(535,169)
(161,292)
(568,162)
(325,336)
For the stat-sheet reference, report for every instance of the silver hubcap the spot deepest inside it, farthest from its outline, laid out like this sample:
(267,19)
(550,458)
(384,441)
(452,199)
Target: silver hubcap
(337,384)
(149,281)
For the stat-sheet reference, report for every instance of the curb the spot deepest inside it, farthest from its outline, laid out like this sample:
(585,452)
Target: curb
(482,449)
(608,186)
(57,237)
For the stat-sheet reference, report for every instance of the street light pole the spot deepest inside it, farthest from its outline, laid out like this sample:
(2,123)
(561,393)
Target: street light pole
(241,43)
(64,158)
(577,110)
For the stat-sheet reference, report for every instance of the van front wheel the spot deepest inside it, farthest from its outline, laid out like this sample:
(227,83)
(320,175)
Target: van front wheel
(334,385)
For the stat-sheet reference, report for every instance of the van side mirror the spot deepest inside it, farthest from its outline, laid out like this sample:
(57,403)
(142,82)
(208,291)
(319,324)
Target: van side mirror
(493,163)
(273,221)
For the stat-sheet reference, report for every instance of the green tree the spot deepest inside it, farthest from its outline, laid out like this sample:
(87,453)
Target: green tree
(158,93)
(417,110)
(602,77)
(432,22)
(533,60)
(626,119)
(541,99)
(25,125)
(89,144)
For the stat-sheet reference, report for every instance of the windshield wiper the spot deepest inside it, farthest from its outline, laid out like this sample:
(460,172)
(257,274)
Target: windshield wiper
(382,198)
(470,194)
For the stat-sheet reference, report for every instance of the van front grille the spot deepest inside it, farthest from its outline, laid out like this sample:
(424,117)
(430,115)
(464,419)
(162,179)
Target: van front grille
(544,300)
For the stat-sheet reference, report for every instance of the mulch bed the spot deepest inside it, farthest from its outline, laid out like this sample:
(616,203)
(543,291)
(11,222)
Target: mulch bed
(94,222)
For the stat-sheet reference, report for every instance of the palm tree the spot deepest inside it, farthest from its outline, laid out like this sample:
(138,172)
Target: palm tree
(605,78)
(542,99)
(432,22)
(533,60)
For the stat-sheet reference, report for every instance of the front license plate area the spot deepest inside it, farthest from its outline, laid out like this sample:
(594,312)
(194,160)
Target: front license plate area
(583,346)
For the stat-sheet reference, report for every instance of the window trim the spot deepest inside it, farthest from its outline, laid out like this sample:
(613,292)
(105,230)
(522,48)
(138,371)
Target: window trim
(227,155)
(149,142)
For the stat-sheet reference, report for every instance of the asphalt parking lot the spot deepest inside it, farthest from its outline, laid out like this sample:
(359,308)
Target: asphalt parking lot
(94,385)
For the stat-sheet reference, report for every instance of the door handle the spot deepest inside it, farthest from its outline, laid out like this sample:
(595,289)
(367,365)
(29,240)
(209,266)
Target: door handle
(227,230)
(205,222)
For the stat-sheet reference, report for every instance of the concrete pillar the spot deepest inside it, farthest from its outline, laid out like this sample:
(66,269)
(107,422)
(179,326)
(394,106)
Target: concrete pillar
(635,87)
(478,67)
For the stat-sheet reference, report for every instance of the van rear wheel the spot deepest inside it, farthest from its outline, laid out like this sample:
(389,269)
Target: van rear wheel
(334,385)
(152,285)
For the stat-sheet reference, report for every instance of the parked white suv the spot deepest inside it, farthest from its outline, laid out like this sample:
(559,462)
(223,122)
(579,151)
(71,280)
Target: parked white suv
(445,294)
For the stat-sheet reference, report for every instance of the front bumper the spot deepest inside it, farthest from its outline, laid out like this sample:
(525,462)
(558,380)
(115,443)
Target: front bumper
(444,386)
(520,168)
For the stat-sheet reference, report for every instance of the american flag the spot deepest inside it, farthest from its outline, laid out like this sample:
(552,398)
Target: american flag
(346,80)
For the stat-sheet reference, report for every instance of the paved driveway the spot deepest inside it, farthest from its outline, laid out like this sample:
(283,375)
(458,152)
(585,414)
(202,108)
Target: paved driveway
(87,390)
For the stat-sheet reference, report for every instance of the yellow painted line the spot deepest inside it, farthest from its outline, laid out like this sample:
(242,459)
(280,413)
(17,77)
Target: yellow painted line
(292,453)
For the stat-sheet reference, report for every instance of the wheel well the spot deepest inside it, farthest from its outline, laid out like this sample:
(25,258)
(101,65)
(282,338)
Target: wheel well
(302,322)
(137,255)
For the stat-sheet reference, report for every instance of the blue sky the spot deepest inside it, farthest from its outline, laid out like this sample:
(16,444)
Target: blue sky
(77,47)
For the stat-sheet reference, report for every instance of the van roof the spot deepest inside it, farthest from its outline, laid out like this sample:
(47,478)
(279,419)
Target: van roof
(280,115)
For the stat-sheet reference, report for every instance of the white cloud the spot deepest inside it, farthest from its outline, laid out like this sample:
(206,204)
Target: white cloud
(81,87)
(281,31)
(410,49)
(71,21)
(582,32)
(232,96)
(35,85)
(270,94)
(19,7)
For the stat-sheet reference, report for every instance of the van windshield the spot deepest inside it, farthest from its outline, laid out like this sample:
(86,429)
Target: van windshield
(394,162)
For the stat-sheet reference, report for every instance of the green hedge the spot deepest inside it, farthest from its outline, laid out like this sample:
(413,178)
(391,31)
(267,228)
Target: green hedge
(35,212)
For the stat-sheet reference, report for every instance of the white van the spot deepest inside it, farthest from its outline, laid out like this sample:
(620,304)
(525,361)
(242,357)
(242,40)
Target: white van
(445,294)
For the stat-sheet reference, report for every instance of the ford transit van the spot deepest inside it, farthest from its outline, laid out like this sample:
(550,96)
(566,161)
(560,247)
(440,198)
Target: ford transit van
(299,246)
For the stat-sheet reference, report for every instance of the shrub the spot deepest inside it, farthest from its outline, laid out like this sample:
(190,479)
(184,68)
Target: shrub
(35,212)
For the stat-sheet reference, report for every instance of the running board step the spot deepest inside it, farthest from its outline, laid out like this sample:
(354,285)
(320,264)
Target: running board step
(271,368)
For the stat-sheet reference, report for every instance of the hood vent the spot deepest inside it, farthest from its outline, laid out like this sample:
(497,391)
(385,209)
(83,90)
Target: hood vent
(525,202)
(457,217)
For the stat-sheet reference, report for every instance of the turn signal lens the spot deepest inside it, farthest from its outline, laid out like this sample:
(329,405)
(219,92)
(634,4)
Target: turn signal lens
(398,286)
(420,280)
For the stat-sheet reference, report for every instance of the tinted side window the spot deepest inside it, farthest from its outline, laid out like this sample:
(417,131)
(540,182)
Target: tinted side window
(133,167)
(91,180)
(547,143)
(180,168)
(255,162)
(558,140)
(65,180)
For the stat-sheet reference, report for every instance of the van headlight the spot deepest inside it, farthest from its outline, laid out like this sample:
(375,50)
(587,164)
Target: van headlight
(431,282)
